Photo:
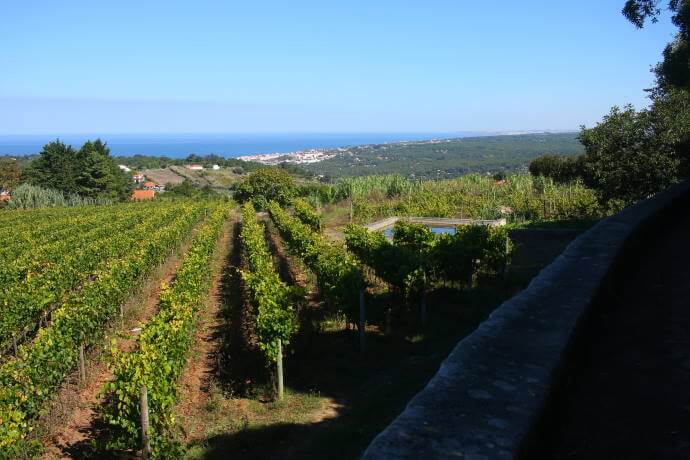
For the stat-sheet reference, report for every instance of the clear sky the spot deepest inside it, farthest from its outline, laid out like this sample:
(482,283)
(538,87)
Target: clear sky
(318,66)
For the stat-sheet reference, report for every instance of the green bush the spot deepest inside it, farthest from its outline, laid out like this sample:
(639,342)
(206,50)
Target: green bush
(264,185)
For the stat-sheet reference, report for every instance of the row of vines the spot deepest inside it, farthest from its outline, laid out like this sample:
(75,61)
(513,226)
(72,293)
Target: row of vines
(338,275)
(417,256)
(267,294)
(28,380)
(163,346)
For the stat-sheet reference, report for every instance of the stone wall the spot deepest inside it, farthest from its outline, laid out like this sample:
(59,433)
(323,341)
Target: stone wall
(488,395)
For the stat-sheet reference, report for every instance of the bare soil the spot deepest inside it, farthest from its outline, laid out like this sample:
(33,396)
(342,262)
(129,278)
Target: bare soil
(202,366)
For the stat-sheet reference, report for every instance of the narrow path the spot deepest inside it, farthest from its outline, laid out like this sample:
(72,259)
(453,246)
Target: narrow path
(630,396)
(72,417)
(196,382)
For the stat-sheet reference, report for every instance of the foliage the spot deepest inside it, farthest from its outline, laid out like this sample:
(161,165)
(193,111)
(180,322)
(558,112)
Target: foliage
(472,249)
(562,169)
(34,280)
(632,155)
(338,276)
(187,190)
(417,256)
(10,173)
(163,345)
(88,172)
(397,265)
(268,295)
(446,158)
(520,198)
(626,157)
(264,185)
(674,70)
(99,176)
(307,214)
(29,380)
(28,196)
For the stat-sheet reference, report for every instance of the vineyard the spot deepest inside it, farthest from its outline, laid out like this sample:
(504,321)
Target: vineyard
(317,317)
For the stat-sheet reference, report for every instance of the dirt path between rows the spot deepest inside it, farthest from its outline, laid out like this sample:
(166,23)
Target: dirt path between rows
(202,365)
(630,395)
(72,417)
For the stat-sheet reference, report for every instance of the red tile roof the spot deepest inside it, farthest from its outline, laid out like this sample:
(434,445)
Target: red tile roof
(143,195)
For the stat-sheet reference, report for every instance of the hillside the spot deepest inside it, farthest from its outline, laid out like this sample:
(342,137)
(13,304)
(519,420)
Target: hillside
(446,158)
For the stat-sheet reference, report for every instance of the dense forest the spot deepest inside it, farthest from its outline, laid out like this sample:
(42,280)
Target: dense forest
(447,158)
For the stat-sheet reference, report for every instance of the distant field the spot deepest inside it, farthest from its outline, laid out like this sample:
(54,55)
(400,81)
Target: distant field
(447,158)
(175,175)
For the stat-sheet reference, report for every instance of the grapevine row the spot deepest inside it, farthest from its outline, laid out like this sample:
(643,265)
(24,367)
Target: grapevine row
(307,214)
(417,255)
(164,344)
(28,234)
(28,381)
(23,301)
(268,295)
(338,275)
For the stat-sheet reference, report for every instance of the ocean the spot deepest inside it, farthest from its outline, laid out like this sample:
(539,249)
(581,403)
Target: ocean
(227,145)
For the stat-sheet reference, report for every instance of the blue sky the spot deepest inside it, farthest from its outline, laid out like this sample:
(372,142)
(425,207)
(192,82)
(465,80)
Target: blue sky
(318,66)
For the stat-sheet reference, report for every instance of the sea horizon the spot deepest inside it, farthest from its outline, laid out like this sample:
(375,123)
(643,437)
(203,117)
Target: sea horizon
(229,145)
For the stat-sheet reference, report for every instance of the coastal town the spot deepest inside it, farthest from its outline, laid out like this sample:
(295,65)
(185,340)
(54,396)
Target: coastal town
(299,157)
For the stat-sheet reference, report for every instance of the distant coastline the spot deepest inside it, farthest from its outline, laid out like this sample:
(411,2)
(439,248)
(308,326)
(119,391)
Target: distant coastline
(227,145)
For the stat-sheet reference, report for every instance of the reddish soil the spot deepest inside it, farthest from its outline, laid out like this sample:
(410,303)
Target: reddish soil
(629,394)
(202,366)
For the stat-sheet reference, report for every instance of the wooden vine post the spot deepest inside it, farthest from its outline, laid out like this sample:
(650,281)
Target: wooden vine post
(352,210)
(422,304)
(362,322)
(144,410)
(279,368)
(507,252)
(82,365)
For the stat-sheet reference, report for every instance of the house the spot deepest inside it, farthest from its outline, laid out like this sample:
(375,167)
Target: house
(138,178)
(5,195)
(139,195)
(216,167)
(150,185)
(195,167)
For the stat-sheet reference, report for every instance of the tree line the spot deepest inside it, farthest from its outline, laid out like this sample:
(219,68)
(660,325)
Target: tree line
(87,172)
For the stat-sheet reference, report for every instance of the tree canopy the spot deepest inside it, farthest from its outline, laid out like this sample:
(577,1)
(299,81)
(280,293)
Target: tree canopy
(265,185)
(674,70)
(633,154)
(88,172)
(10,173)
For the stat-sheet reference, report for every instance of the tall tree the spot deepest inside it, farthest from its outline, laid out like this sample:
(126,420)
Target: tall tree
(633,154)
(99,176)
(56,167)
